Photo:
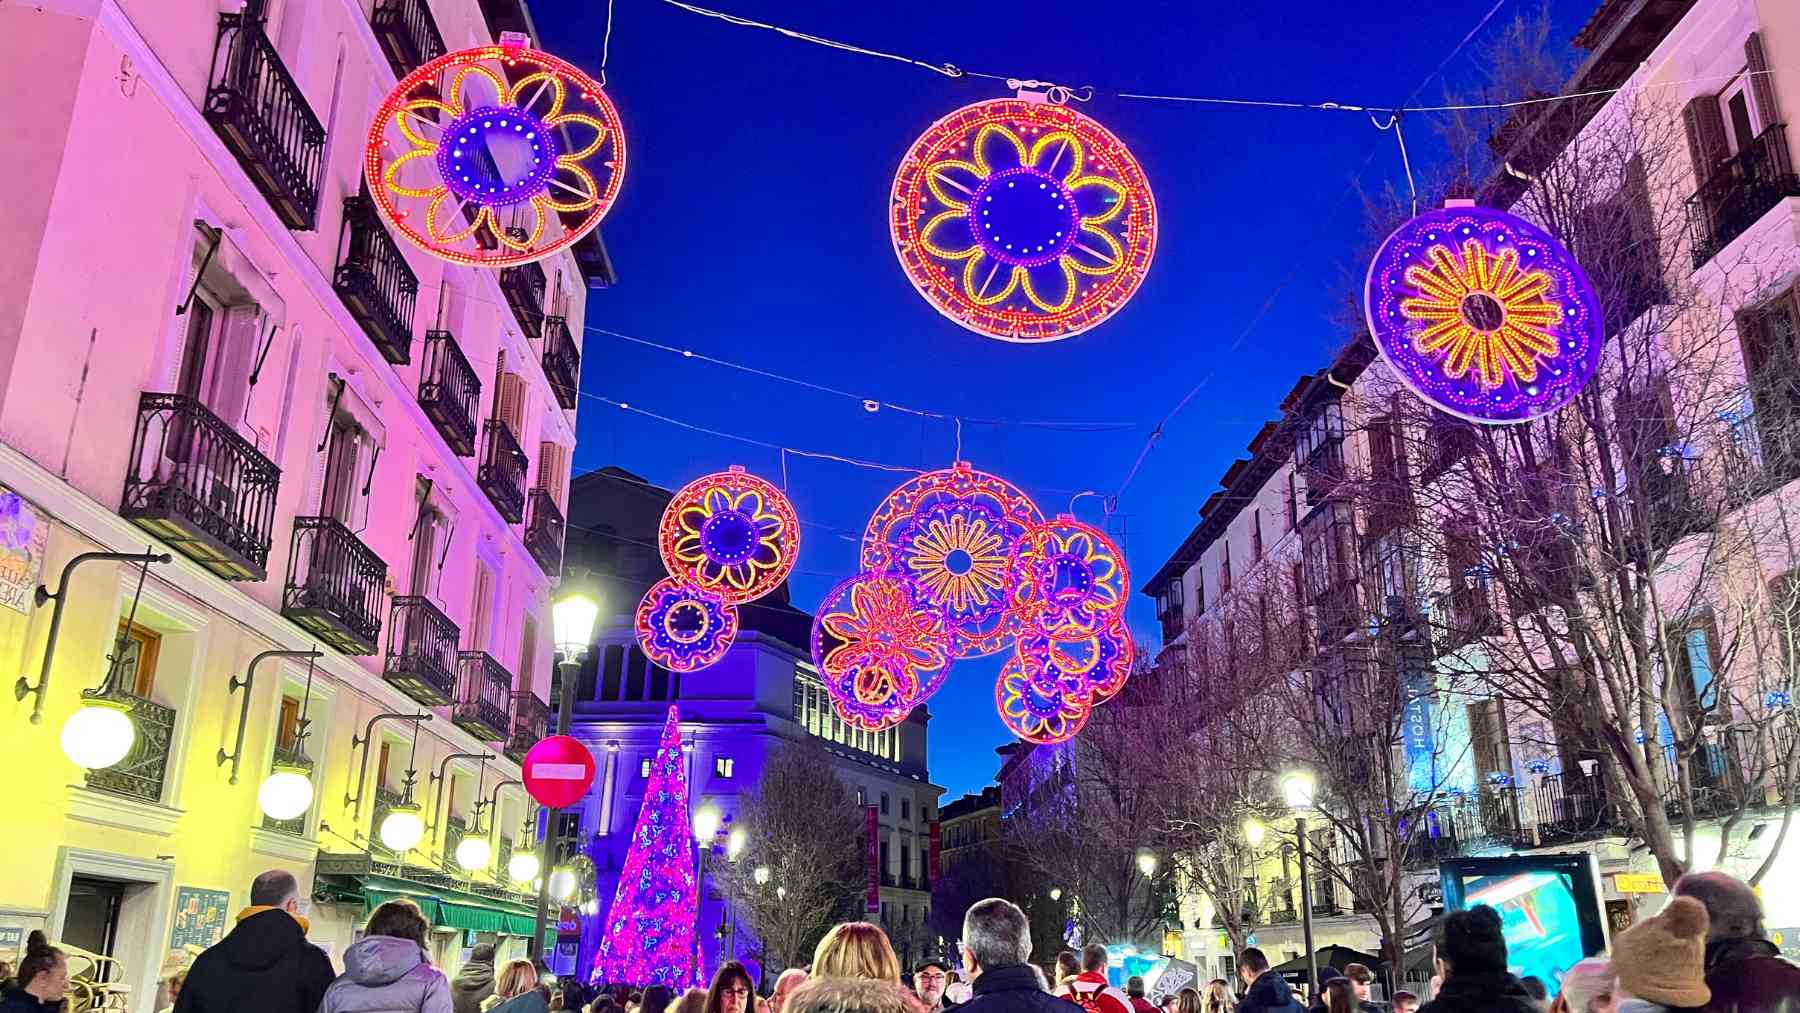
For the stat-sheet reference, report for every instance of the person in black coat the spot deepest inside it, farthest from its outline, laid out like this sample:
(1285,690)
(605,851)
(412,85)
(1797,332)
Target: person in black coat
(42,981)
(1471,959)
(996,945)
(265,963)
(1265,991)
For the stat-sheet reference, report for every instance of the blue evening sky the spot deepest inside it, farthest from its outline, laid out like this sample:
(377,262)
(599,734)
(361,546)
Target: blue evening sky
(752,227)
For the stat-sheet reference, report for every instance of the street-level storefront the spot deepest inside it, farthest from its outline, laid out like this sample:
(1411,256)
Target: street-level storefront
(348,887)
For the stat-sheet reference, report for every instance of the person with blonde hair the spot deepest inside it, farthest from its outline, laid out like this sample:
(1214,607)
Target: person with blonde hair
(856,950)
(843,994)
(1218,998)
(790,979)
(1188,1001)
(516,990)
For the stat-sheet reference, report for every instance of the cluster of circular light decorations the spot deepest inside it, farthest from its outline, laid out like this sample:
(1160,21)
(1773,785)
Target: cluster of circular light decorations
(1484,314)
(726,539)
(1022,219)
(495,155)
(957,564)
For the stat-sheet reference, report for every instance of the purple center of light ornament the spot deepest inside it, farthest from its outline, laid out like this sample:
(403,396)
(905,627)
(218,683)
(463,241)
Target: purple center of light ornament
(497,156)
(1024,217)
(1071,579)
(686,622)
(728,537)
(958,561)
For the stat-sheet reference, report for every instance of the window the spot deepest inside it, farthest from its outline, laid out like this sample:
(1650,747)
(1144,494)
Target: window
(1256,541)
(634,674)
(137,650)
(481,607)
(342,488)
(906,869)
(1488,742)
(1228,967)
(382,780)
(886,869)
(1692,645)
(723,766)
(884,803)
(553,470)
(659,683)
(428,536)
(1328,563)
(906,808)
(1319,451)
(1224,568)
(1293,504)
(862,797)
(644,767)
(287,724)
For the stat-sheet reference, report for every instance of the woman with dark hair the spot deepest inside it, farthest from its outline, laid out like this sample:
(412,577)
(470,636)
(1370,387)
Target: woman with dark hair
(42,980)
(656,999)
(731,990)
(388,970)
(1340,996)
(1471,960)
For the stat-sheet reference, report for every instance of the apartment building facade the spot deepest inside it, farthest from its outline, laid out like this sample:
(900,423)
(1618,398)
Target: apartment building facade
(215,352)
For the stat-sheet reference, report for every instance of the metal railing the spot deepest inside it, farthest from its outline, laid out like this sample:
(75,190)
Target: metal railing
(421,651)
(140,774)
(483,689)
(407,32)
(530,720)
(334,585)
(1572,805)
(502,471)
(262,116)
(375,281)
(450,392)
(1763,446)
(197,484)
(544,532)
(1740,191)
(562,362)
(524,285)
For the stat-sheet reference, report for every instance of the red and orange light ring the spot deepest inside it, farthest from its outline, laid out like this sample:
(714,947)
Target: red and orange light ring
(684,628)
(877,653)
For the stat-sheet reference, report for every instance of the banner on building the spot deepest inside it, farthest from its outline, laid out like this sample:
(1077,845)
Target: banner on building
(1417,741)
(934,864)
(1179,974)
(22,534)
(872,891)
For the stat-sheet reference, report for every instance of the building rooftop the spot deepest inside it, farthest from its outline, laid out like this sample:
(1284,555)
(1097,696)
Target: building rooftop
(968,805)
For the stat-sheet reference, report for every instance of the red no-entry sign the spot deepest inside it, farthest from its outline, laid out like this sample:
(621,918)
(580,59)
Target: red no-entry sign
(558,771)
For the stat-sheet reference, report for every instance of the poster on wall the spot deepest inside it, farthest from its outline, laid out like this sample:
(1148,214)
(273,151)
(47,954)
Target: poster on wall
(12,942)
(199,917)
(22,534)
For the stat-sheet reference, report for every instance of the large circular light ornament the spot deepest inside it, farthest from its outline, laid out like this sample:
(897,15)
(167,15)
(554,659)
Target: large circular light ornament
(730,533)
(473,853)
(496,155)
(402,828)
(1483,314)
(98,735)
(1022,219)
(1036,713)
(285,794)
(1071,579)
(877,653)
(522,867)
(684,628)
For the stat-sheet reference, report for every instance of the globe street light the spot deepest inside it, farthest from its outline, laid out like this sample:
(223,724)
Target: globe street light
(1146,862)
(473,853)
(734,844)
(403,827)
(1254,831)
(1056,893)
(1298,787)
(98,735)
(523,867)
(761,875)
(286,794)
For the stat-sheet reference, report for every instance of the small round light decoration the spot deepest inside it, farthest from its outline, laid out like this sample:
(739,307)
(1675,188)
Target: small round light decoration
(1484,314)
(1022,219)
(684,628)
(495,155)
(879,655)
(1071,579)
(730,533)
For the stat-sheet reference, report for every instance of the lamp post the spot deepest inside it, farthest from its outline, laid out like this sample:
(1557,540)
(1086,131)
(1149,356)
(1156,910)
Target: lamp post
(1298,787)
(706,829)
(573,616)
(734,847)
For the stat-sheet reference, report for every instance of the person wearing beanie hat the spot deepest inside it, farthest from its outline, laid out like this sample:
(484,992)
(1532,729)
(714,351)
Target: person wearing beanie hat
(1587,988)
(1661,961)
(1471,960)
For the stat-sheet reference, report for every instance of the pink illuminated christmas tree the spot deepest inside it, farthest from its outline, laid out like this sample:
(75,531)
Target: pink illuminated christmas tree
(649,932)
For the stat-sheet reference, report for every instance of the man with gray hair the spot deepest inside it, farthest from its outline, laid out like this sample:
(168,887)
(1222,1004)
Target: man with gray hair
(996,945)
(1743,969)
(265,964)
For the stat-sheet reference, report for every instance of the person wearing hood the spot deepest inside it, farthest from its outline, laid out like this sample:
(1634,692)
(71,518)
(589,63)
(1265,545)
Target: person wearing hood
(388,971)
(265,962)
(1661,961)
(474,980)
(1264,990)
(1471,959)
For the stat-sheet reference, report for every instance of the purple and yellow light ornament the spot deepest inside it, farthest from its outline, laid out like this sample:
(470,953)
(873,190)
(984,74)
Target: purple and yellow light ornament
(1484,314)
(683,627)
(1034,712)
(731,533)
(1071,579)
(1093,667)
(1022,219)
(877,653)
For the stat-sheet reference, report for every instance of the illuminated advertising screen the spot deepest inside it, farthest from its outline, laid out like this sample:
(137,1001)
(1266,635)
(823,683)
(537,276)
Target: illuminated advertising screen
(1549,907)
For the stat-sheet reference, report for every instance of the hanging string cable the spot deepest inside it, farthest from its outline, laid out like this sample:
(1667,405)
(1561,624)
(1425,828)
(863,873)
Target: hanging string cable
(816,454)
(1393,124)
(606,43)
(946,69)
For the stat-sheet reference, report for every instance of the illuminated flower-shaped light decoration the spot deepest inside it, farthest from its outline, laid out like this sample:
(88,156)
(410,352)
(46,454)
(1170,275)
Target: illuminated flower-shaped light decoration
(1093,668)
(479,171)
(684,628)
(949,535)
(1072,580)
(1035,713)
(1023,220)
(731,533)
(878,654)
(1483,314)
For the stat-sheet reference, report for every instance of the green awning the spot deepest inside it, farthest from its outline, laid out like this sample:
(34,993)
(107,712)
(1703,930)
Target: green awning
(519,925)
(374,898)
(445,907)
(468,916)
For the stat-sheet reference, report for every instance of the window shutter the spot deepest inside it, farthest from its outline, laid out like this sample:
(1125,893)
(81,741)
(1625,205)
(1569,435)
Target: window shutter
(553,469)
(1705,126)
(1762,89)
(509,405)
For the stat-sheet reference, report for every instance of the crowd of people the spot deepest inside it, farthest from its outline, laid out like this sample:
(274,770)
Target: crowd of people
(1707,952)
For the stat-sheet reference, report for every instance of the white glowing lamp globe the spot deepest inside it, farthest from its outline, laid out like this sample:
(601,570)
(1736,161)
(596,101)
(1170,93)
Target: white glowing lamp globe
(523,867)
(402,829)
(473,853)
(285,794)
(98,736)
(562,884)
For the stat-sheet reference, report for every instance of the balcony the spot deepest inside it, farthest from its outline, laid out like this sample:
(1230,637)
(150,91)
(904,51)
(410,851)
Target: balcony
(140,774)
(530,722)
(1715,775)
(523,287)
(262,116)
(199,486)
(1573,806)
(1763,451)
(1502,816)
(450,392)
(334,585)
(502,471)
(483,689)
(375,281)
(1432,840)
(421,651)
(544,532)
(1739,192)
(407,33)
(562,362)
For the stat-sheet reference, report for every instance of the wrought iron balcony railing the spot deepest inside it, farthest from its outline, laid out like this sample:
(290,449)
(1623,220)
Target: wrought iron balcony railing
(334,585)
(455,829)
(407,32)
(262,116)
(524,287)
(1740,191)
(544,532)
(140,774)
(502,471)
(450,392)
(1763,452)
(562,362)
(530,721)
(483,689)
(421,651)
(375,281)
(194,482)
